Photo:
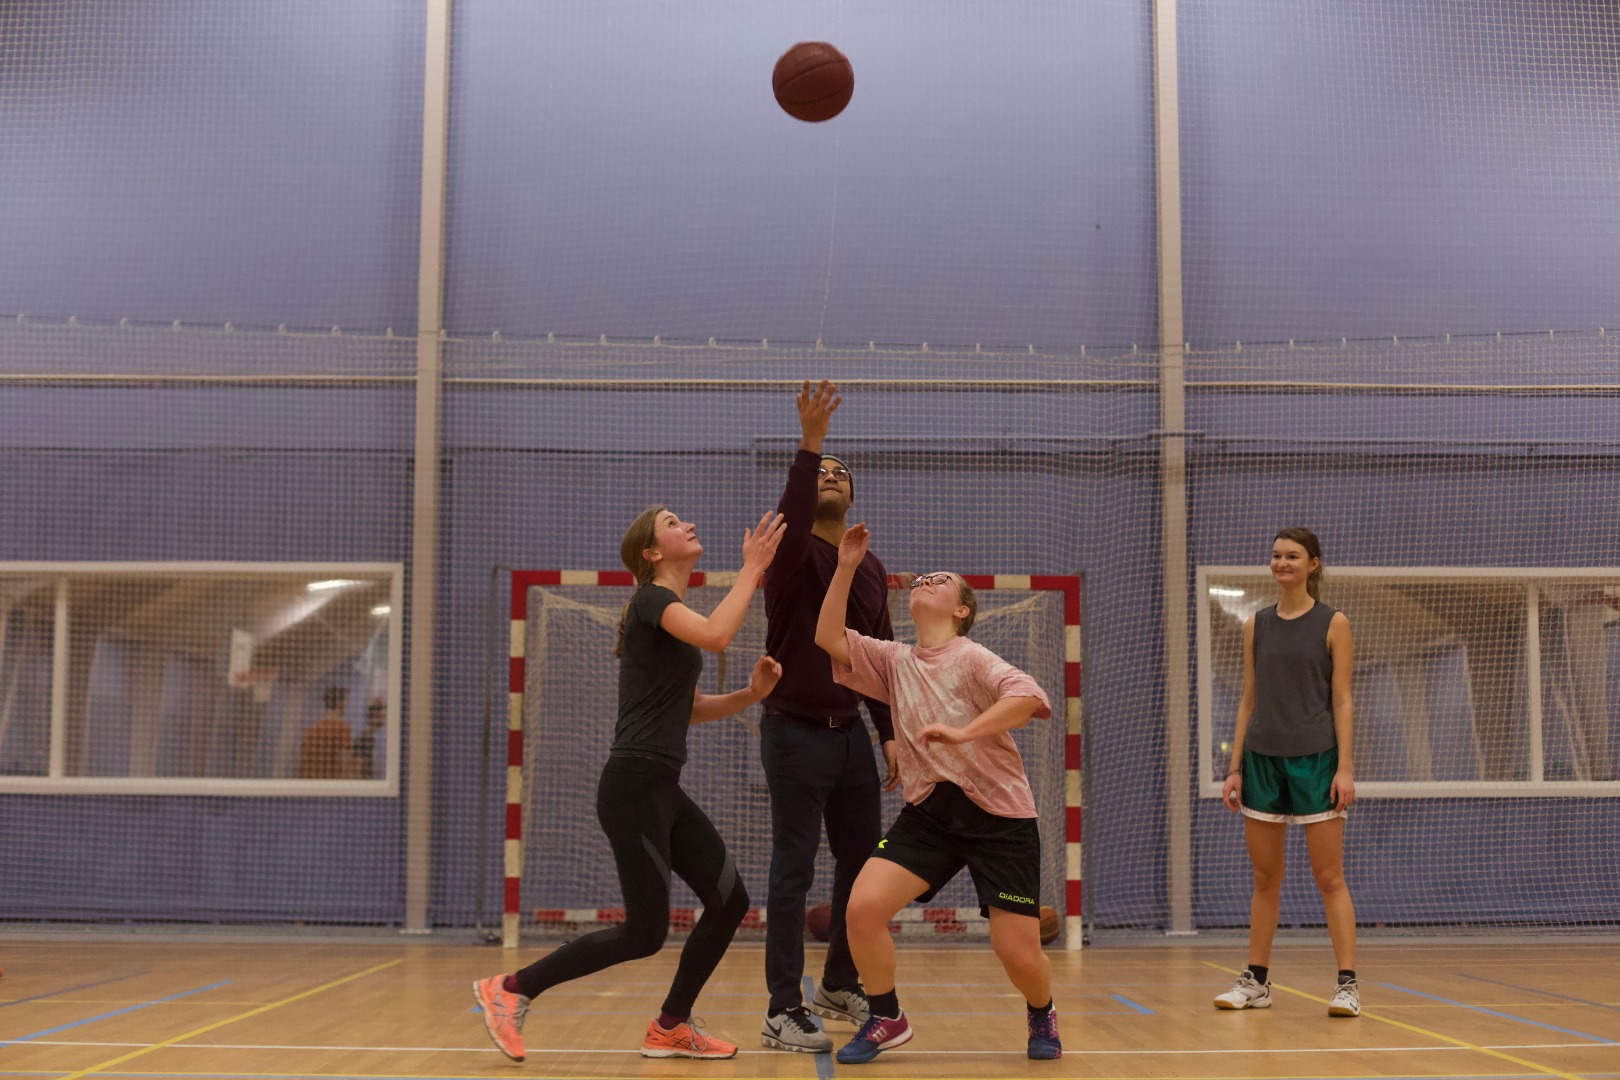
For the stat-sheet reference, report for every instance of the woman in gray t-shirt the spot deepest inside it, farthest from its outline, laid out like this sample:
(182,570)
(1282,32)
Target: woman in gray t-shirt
(1291,762)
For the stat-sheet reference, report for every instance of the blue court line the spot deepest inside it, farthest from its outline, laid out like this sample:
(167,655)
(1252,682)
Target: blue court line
(1134,1010)
(115,1012)
(824,1062)
(1505,1016)
(1544,993)
(69,990)
(1123,1000)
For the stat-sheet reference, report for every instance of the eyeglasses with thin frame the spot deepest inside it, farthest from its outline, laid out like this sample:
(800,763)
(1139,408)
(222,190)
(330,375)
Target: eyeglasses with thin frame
(930,580)
(837,472)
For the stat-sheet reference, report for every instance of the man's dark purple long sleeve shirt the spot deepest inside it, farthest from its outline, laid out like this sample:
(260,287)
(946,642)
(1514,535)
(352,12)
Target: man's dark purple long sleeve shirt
(795,585)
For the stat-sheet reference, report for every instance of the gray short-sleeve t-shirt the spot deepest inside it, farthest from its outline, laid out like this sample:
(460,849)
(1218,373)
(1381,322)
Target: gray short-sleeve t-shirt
(658,675)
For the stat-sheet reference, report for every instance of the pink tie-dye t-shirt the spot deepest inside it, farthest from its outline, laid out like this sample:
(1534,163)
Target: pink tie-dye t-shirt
(947,684)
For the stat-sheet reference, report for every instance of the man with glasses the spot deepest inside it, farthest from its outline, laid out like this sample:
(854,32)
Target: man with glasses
(817,755)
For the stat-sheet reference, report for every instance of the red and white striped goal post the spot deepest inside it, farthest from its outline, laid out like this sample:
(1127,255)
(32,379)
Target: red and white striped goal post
(912,921)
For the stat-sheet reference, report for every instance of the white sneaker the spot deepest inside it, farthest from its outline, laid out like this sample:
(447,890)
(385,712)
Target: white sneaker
(850,1006)
(1245,994)
(1346,1000)
(792,1029)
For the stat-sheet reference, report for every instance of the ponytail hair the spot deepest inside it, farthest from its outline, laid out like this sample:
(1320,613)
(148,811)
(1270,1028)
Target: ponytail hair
(632,552)
(1313,548)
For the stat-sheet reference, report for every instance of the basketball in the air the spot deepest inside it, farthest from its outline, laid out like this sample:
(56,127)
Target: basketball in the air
(817,919)
(1051,925)
(813,81)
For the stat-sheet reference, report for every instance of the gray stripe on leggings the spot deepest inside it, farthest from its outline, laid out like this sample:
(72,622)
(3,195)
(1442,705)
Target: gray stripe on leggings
(728,879)
(658,860)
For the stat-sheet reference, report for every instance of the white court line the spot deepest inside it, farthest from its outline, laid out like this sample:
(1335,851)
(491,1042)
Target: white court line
(777,1053)
(965,987)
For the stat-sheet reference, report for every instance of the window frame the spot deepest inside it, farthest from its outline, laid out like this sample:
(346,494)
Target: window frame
(55,783)
(1530,577)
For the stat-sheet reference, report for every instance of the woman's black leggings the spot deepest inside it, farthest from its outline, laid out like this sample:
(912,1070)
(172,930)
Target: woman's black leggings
(655,829)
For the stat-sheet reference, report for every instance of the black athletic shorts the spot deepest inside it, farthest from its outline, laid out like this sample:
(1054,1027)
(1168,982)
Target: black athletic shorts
(948,831)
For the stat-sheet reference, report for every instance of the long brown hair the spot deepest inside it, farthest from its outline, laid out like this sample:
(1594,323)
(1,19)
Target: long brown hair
(640,536)
(1313,548)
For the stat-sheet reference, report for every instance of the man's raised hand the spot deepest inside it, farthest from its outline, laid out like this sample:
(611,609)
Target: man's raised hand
(815,413)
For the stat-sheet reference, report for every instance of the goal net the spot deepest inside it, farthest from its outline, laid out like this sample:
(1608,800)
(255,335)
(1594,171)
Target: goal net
(564,694)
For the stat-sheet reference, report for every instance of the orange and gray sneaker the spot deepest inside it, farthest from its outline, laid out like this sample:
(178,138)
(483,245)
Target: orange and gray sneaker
(503,1014)
(686,1040)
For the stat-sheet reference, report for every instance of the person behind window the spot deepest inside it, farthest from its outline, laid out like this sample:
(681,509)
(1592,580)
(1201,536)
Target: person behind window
(365,744)
(327,751)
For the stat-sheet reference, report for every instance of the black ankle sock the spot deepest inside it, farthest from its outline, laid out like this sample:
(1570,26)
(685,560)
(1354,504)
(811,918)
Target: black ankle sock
(1346,975)
(887,1005)
(1039,1010)
(1259,971)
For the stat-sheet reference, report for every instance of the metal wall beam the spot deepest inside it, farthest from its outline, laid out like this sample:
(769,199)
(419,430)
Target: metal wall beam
(1172,471)
(425,491)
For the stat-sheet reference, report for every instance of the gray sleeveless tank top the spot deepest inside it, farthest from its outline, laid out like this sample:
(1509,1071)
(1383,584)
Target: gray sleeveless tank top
(1293,684)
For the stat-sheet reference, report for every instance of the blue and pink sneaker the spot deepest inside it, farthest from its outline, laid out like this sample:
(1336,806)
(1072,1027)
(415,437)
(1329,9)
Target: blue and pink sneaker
(878,1034)
(1043,1036)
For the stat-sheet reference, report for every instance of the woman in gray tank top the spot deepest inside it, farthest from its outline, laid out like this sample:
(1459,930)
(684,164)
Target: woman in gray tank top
(1291,762)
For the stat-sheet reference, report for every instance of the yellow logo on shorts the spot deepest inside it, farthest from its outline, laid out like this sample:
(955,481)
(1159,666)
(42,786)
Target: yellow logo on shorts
(1010,896)
(883,842)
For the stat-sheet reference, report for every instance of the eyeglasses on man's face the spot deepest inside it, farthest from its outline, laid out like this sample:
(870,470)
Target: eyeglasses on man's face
(930,580)
(837,472)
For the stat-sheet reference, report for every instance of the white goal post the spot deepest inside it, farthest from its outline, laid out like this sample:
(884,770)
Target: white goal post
(1061,595)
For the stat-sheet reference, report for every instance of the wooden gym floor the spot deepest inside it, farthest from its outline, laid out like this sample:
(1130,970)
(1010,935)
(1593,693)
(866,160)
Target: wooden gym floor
(164,1009)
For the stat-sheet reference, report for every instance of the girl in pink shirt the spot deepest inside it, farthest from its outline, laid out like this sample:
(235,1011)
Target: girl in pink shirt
(968,800)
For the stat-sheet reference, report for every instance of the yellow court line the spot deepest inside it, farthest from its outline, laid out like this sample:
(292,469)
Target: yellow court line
(1497,1005)
(598,1076)
(231,1020)
(1418,1030)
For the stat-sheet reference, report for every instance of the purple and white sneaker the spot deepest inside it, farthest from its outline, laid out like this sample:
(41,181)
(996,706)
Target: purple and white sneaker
(1043,1036)
(878,1034)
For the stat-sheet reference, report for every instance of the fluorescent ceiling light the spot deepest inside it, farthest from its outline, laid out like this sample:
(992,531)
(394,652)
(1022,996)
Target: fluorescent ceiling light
(334,583)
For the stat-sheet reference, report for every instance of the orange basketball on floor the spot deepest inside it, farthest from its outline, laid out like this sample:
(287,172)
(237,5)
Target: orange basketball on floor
(813,81)
(817,919)
(1051,925)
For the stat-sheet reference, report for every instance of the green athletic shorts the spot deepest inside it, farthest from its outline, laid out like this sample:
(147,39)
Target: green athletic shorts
(1293,790)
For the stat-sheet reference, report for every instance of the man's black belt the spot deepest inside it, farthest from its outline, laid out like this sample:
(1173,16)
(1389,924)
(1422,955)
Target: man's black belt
(830,723)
